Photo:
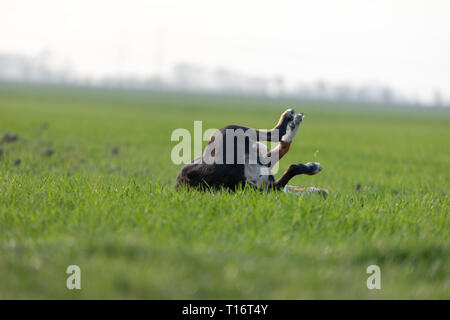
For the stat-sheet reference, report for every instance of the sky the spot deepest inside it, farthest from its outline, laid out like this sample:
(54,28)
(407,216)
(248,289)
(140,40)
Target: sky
(401,43)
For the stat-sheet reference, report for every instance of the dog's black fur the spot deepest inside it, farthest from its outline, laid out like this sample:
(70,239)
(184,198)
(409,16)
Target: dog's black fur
(199,174)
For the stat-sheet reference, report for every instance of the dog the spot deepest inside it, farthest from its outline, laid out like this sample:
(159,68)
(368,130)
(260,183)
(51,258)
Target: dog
(235,158)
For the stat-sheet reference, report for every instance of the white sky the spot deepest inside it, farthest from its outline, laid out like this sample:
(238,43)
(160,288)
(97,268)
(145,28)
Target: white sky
(402,43)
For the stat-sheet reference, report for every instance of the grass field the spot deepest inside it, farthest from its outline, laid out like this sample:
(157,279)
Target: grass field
(118,217)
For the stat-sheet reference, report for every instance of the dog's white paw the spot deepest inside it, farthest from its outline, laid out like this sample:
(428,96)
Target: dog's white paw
(315,167)
(292,128)
(298,118)
(312,190)
(289,114)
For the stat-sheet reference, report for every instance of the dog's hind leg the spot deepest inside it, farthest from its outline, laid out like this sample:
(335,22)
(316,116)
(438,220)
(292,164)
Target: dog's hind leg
(307,191)
(310,168)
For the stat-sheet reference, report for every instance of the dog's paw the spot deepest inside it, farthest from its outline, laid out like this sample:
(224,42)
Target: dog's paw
(313,167)
(320,191)
(298,118)
(292,127)
(288,115)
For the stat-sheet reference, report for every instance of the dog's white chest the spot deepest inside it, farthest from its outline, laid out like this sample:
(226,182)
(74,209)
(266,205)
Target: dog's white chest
(257,175)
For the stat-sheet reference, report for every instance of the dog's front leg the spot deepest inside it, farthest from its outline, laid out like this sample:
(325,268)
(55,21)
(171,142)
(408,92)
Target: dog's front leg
(271,158)
(279,130)
(292,128)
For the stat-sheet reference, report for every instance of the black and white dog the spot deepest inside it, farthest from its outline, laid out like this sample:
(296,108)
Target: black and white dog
(234,157)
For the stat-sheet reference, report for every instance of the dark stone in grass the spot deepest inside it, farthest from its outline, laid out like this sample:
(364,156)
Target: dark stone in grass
(9,137)
(17,162)
(48,152)
(358,187)
(114,150)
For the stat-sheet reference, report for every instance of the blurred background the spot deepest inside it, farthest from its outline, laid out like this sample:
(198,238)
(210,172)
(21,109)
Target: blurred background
(91,92)
(386,52)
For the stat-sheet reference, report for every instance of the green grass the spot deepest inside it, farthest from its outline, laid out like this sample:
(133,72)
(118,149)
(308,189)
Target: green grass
(119,218)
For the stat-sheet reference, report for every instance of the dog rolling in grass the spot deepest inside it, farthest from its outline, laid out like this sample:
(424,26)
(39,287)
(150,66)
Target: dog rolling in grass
(235,157)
